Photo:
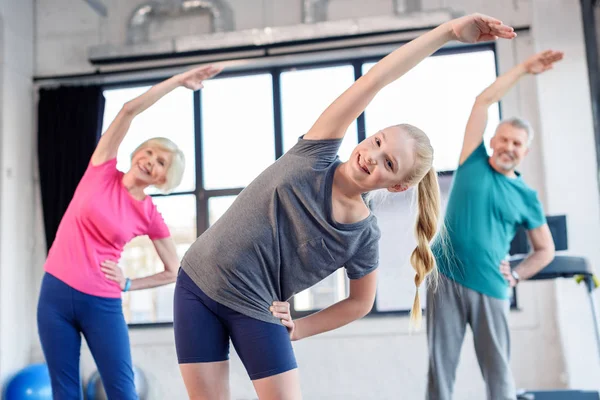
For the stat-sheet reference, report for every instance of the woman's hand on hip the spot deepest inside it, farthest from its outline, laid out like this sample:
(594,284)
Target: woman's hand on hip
(113,272)
(281,310)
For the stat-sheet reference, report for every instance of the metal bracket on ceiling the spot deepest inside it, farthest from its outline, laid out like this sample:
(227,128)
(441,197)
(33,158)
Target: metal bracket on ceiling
(98,6)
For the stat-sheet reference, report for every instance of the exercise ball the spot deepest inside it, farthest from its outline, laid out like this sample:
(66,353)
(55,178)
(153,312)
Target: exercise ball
(95,389)
(31,383)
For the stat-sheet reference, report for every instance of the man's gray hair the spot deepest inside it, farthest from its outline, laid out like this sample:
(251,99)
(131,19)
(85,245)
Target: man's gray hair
(519,123)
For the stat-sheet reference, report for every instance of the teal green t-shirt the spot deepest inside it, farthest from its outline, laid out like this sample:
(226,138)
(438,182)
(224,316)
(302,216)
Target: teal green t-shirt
(484,211)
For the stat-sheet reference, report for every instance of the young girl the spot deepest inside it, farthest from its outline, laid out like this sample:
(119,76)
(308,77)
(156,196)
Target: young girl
(81,289)
(298,222)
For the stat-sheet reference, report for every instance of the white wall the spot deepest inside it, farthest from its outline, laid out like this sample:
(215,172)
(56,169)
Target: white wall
(17,208)
(570,173)
(377,358)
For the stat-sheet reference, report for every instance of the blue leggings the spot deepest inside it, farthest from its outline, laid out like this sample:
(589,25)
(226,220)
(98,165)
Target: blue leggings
(63,315)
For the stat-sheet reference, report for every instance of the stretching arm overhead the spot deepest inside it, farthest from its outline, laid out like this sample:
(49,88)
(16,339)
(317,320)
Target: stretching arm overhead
(334,121)
(477,122)
(108,145)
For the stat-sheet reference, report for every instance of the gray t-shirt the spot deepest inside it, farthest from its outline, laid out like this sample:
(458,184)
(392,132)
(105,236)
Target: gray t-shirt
(279,238)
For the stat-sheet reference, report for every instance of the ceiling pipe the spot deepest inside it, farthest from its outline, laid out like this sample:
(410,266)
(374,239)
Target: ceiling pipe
(139,22)
(98,6)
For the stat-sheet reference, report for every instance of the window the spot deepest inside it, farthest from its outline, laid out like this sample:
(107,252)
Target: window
(237,136)
(305,94)
(237,130)
(241,122)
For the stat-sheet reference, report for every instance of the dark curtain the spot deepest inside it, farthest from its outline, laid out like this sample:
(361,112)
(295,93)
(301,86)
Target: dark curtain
(69,127)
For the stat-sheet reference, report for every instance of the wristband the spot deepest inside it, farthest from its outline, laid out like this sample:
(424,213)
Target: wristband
(127,285)
(515,275)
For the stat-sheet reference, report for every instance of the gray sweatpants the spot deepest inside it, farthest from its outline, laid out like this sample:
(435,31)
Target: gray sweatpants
(449,309)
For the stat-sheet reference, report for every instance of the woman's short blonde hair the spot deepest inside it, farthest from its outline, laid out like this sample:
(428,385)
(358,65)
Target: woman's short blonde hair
(176,167)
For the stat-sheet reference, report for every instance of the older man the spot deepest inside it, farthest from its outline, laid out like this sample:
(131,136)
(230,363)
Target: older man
(487,204)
